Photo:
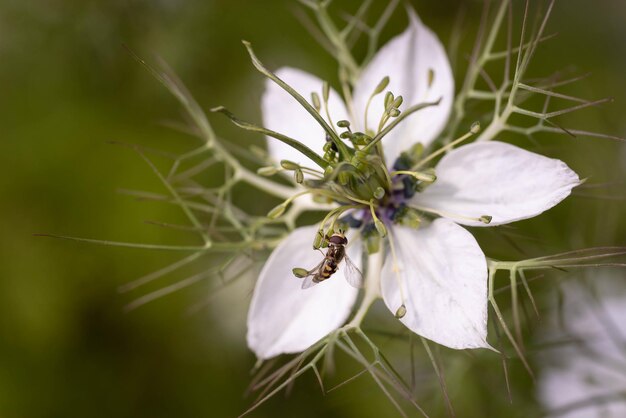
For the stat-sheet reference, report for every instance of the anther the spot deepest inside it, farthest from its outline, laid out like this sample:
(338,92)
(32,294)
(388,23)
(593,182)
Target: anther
(400,312)
(299,272)
(289,165)
(379,193)
(425,176)
(379,88)
(346,135)
(298,176)
(381,85)
(388,99)
(394,113)
(319,239)
(277,211)
(397,102)
(316,101)
(325,91)
(483,219)
(380,227)
(267,171)
(431,77)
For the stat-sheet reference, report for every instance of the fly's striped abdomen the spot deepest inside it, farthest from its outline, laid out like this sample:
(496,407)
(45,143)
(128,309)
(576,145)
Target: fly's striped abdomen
(326,270)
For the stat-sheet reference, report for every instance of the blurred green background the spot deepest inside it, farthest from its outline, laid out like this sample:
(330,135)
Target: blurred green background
(67,86)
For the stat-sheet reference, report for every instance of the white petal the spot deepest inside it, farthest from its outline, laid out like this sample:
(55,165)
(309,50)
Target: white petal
(443,275)
(283,114)
(499,180)
(408,59)
(283,318)
(591,318)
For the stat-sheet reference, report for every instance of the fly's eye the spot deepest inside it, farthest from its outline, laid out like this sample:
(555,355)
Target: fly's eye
(337,240)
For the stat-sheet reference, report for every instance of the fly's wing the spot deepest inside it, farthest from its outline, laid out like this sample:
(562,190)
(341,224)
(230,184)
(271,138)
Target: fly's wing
(308,279)
(353,275)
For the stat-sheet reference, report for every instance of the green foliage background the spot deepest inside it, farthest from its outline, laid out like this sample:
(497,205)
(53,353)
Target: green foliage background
(67,86)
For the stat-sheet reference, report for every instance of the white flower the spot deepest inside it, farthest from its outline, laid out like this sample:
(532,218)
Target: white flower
(584,363)
(437,271)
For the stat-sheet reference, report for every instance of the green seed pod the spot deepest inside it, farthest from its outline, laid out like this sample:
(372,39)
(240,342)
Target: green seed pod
(382,85)
(298,176)
(401,311)
(277,211)
(300,272)
(289,165)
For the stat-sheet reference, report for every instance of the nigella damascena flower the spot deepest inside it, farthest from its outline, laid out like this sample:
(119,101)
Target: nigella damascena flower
(429,270)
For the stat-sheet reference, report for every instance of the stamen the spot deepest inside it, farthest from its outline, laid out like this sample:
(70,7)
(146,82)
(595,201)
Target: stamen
(431,77)
(408,112)
(486,219)
(325,96)
(344,124)
(427,177)
(319,239)
(391,110)
(267,171)
(289,165)
(379,88)
(388,99)
(473,131)
(298,176)
(380,226)
(336,213)
(278,210)
(316,101)
(396,271)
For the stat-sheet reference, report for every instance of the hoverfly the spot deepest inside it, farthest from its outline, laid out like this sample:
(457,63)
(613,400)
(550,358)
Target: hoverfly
(328,266)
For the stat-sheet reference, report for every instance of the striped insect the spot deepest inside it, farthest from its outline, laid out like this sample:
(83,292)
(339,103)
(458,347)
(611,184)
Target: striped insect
(335,254)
